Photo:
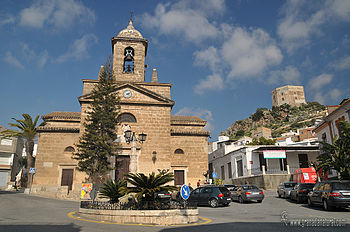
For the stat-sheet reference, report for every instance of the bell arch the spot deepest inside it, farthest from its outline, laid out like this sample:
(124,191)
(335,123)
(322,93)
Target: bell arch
(128,65)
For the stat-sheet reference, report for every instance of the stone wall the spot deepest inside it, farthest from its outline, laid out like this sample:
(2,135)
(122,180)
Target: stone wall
(152,217)
(270,181)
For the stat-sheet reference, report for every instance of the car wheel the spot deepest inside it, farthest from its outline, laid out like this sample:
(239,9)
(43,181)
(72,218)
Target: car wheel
(309,202)
(213,203)
(226,204)
(240,199)
(326,206)
(259,201)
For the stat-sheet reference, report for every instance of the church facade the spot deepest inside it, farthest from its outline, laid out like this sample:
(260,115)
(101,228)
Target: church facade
(175,143)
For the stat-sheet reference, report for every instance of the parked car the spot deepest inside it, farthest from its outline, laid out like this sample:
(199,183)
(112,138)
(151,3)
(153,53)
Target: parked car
(162,196)
(283,190)
(231,187)
(248,193)
(300,191)
(176,194)
(211,195)
(330,194)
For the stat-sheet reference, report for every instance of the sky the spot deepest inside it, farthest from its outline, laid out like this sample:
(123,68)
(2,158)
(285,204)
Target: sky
(222,57)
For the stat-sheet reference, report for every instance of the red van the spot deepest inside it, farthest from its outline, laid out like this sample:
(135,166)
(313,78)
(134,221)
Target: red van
(305,175)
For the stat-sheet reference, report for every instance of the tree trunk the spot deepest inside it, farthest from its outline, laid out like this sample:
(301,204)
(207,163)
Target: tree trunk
(29,151)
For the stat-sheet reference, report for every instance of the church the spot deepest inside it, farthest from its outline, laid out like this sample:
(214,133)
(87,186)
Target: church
(161,140)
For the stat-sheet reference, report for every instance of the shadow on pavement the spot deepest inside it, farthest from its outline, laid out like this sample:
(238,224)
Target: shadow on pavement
(254,227)
(35,228)
(9,192)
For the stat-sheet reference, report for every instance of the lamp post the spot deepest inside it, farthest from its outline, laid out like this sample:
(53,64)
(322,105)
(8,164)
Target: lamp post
(130,137)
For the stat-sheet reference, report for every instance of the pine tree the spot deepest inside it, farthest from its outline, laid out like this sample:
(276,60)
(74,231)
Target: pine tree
(96,145)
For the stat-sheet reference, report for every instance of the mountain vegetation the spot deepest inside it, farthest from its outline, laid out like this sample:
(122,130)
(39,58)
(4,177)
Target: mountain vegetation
(279,119)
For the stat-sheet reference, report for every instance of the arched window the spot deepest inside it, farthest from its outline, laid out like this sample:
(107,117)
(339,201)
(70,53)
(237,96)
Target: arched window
(179,151)
(126,117)
(129,60)
(69,149)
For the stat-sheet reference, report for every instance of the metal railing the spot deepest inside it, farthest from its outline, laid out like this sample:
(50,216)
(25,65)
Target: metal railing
(142,205)
(257,171)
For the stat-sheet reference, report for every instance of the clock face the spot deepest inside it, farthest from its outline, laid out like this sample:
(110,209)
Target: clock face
(127,93)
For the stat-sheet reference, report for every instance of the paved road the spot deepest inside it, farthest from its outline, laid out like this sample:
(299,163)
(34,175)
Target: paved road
(21,212)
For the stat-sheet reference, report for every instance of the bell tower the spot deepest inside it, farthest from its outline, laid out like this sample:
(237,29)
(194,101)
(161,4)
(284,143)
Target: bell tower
(129,52)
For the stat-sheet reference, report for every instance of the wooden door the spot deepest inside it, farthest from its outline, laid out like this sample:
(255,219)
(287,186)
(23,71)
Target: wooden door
(67,178)
(179,177)
(122,166)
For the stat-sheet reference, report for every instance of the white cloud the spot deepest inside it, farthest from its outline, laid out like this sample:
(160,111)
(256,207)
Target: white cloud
(318,82)
(250,52)
(342,64)
(339,9)
(40,58)
(290,75)
(208,56)
(324,97)
(55,13)
(9,58)
(79,49)
(8,19)
(188,19)
(212,82)
(303,19)
(43,58)
(202,113)
(317,89)
(335,94)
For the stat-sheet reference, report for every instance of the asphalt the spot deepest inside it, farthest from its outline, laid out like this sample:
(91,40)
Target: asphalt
(22,212)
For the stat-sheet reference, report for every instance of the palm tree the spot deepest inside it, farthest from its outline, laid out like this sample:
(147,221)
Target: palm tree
(27,130)
(337,155)
(113,190)
(146,186)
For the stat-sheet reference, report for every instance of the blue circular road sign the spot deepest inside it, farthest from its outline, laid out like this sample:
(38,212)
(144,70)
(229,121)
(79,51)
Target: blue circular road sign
(185,192)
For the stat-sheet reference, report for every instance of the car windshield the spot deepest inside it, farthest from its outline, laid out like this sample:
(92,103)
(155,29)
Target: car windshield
(306,186)
(341,186)
(289,185)
(223,189)
(250,187)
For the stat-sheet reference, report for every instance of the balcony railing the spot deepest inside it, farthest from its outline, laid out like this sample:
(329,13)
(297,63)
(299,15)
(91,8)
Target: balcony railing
(257,171)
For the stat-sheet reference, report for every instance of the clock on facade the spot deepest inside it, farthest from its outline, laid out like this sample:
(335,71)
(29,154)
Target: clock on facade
(127,93)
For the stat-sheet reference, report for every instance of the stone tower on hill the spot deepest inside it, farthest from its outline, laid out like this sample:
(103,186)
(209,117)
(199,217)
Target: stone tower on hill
(289,94)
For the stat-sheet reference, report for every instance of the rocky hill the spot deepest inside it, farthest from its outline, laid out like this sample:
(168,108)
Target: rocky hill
(279,119)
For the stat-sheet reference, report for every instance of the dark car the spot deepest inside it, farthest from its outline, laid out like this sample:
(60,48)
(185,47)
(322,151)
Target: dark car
(230,187)
(330,194)
(283,190)
(248,193)
(211,195)
(176,194)
(162,196)
(300,191)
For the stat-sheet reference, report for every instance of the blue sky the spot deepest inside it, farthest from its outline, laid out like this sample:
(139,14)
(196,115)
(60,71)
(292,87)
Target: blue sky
(223,57)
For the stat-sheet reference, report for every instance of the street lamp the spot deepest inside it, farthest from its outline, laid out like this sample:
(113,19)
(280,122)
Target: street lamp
(130,137)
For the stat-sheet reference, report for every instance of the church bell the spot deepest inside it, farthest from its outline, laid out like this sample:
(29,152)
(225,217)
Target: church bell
(129,57)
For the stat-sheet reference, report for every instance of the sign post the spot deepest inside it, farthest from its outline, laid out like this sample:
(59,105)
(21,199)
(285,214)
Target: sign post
(32,172)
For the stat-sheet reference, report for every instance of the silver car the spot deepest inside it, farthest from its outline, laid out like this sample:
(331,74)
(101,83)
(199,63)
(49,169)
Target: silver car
(283,190)
(246,193)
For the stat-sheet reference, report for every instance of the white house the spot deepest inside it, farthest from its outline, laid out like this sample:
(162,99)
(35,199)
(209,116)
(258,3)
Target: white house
(263,165)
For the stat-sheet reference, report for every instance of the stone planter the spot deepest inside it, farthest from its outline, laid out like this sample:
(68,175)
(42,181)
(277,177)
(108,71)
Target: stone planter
(154,217)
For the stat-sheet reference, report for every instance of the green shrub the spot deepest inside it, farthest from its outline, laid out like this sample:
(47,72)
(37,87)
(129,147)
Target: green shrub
(113,190)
